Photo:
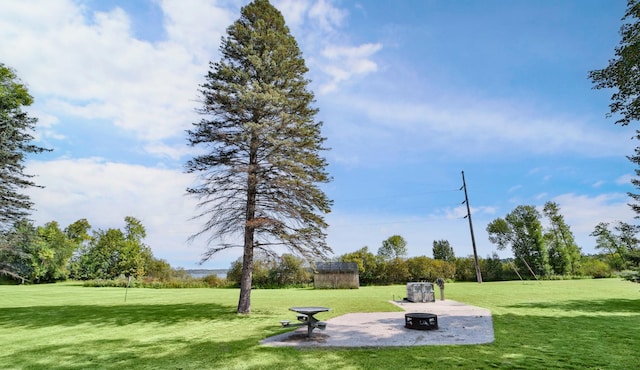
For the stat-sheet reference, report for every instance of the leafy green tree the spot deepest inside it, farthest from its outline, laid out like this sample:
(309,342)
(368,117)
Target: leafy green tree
(78,231)
(262,264)
(112,253)
(51,253)
(621,243)
(425,268)
(396,271)
(564,253)
(493,269)
(420,268)
(290,271)
(394,247)
(521,230)
(609,242)
(262,165)
(443,251)
(368,264)
(15,144)
(465,268)
(595,267)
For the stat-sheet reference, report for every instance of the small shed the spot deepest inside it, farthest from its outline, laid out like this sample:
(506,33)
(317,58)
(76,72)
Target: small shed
(336,275)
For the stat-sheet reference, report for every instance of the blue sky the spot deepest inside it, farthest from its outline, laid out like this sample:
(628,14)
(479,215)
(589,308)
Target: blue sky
(411,93)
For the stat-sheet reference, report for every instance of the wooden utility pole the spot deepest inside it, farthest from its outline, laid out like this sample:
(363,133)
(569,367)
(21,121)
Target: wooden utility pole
(473,239)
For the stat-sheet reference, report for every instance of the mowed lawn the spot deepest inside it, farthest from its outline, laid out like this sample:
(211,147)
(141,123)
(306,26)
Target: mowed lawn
(573,324)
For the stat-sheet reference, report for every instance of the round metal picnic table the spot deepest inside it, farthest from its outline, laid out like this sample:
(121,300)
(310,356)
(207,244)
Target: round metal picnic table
(310,312)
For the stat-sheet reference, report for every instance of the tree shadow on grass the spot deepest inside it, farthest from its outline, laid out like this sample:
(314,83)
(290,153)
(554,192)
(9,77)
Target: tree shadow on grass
(614,305)
(178,353)
(127,353)
(119,315)
(522,341)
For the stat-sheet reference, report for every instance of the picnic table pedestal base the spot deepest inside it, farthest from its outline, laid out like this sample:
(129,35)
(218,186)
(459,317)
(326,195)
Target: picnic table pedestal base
(306,316)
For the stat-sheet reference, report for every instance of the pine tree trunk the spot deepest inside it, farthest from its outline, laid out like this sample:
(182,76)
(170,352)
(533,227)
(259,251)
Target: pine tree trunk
(244,303)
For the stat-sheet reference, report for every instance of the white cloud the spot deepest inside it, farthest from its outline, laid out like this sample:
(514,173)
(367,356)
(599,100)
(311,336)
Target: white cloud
(327,15)
(582,213)
(293,11)
(174,152)
(465,127)
(96,68)
(624,179)
(514,188)
(106,192)
(347,62)
(541,196)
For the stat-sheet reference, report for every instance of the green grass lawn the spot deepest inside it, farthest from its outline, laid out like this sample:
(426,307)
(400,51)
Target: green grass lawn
(572,324)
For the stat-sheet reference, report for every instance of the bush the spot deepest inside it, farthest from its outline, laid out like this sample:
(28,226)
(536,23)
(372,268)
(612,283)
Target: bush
(595,268)
(630,275)
(211,281)
(214,281)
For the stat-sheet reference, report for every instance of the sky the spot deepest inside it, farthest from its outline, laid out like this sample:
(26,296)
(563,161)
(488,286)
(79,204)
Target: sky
(411,93)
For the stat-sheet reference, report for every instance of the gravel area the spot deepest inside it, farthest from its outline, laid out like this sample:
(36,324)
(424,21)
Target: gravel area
(458,323)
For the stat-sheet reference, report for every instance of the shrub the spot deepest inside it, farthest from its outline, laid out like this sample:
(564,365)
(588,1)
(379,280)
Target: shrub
(595,268)
(214,281)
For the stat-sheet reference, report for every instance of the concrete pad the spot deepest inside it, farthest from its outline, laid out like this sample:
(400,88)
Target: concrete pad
(458,324)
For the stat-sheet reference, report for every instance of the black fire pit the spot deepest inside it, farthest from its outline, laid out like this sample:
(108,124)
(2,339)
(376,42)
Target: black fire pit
(421,321)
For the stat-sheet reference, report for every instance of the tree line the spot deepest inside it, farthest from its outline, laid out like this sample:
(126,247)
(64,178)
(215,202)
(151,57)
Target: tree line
(48,253)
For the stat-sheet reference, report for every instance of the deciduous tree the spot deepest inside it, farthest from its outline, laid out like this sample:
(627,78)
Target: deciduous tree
(112,253)
(442,250)
(394,247)
(621,244)
(261,165)
(564,253)
(368,266)
(521,230)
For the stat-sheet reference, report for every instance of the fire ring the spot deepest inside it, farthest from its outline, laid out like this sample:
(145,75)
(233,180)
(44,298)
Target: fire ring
(421,321)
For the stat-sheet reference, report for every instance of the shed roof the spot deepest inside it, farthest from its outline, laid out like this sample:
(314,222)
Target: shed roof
(328,267)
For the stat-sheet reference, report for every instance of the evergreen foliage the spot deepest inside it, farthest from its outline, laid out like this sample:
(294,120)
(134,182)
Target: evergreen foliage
(262,165)
(16,128)
(16,138)
(622,72)
(622,75)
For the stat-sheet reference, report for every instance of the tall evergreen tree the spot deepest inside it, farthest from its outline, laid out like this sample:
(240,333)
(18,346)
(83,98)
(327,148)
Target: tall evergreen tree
(262,166)
(15,144)
(16,138)
(623,76)
(622,73)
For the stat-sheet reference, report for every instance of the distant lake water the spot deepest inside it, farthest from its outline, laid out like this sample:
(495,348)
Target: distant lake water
(202,273)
